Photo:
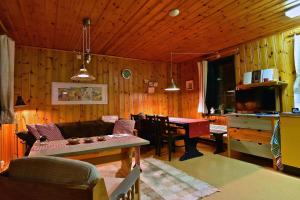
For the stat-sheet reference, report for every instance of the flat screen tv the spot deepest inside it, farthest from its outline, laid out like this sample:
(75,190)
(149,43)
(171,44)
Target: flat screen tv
(256,100)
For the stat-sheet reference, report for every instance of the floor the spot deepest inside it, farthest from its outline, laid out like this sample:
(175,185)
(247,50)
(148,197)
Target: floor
(250,179)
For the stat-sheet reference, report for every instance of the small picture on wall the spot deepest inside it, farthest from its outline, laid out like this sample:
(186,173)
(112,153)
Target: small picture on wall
(189,85)
(151,90)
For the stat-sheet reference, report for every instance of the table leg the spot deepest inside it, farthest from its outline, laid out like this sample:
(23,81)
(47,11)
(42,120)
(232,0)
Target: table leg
(219,143)
(191,150)
(126,163)
(137,155)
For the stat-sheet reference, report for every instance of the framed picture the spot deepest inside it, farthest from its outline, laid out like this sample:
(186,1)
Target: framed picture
(256,76)
(151,90)
(78,93)
(189,85)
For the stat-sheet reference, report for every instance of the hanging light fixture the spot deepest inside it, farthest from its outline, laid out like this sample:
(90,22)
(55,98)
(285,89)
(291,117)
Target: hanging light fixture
(83,74)
(172,86)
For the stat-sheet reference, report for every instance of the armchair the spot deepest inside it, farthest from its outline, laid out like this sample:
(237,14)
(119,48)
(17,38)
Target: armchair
(50,178)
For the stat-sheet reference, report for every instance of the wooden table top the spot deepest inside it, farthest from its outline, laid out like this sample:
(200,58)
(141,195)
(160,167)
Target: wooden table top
(180,120)
(62,148)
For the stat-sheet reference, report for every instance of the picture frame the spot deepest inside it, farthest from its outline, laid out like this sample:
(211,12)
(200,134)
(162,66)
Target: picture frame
(256,76)
(78,93)
(189,85)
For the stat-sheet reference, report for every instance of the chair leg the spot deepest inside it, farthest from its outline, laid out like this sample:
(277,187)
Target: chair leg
(173,147)
(170,147)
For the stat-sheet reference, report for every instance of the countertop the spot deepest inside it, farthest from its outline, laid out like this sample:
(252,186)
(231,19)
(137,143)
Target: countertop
(289,114)
(253,115)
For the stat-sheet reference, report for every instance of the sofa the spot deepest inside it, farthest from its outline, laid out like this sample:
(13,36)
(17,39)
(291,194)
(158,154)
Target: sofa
(72,129)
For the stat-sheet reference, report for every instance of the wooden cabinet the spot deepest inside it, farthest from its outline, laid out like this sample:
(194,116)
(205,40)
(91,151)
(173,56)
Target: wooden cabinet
(251,134)
(290,139)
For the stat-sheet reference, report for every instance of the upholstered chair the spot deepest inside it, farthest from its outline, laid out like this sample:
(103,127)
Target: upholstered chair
(48,178)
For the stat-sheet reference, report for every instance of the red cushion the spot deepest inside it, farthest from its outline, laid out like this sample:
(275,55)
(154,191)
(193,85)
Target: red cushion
(50,131)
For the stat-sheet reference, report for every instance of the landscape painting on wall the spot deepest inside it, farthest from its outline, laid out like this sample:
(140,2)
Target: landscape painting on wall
(78,93)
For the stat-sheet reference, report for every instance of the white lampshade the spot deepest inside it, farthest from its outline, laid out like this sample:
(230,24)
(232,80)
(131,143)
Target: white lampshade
(83,75)
(172,86)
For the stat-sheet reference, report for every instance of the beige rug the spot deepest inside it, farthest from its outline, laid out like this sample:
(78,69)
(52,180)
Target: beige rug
(160,181)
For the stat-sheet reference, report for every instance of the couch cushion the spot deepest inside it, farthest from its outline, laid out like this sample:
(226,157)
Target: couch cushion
(47,169)
(50,131)
(71,129)
(110,118)
(124,126)
(33,130)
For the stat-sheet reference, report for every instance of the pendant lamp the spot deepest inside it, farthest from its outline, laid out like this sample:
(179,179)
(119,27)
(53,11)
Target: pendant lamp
(83,74)
(172,86)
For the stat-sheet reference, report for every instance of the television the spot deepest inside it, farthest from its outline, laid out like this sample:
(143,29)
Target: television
(256,100)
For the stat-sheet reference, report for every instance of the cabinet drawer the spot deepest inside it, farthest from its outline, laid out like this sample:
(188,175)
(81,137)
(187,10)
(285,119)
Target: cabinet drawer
(262,150)
(258,123)
(250,135)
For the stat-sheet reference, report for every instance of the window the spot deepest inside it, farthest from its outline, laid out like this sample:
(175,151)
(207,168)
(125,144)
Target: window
(220,93)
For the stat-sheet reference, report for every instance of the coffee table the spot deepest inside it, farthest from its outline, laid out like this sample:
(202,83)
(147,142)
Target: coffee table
(114,148)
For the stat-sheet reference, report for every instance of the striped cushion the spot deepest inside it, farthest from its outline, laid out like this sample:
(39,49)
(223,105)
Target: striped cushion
(32,129)
(50,131)
(124,126)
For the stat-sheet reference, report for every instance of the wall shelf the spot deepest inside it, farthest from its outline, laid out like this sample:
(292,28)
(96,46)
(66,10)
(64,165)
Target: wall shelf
(263,84)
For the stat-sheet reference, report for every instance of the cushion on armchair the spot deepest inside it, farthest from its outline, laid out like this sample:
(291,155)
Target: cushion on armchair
(48,169)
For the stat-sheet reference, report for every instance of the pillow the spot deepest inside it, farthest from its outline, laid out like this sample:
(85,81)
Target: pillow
(32,130)
(50,131)
(124,126)
(110,118)
(48,169)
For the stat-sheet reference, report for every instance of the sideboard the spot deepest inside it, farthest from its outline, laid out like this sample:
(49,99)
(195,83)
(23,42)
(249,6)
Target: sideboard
(251,134)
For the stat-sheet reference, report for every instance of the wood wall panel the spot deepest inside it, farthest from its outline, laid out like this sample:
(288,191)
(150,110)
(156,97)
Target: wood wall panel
(188,99)
(142,28)
(275,51)
(36,69)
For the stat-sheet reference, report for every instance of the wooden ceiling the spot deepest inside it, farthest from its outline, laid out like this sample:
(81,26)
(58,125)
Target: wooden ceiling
(142,28)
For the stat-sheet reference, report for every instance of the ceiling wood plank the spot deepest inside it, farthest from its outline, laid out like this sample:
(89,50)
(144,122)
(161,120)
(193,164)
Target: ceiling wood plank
(143,29)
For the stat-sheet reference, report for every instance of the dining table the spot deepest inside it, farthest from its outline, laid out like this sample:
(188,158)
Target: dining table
(194,128)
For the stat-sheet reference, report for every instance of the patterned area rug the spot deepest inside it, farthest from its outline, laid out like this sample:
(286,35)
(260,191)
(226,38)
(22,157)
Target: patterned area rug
(160,181)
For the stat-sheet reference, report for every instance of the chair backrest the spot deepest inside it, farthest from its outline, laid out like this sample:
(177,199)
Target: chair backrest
(138,121)
(163,124)
(151,117)
(129,187)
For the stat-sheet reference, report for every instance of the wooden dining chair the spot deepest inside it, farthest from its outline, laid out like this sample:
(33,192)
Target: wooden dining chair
(166,133)
(149,128)
(138,123)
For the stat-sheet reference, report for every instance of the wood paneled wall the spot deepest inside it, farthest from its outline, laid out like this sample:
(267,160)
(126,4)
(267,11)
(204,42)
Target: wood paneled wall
(188,99)
(36,69)
(275,51)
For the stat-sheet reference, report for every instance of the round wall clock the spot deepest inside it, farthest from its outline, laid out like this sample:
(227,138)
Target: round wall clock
(126,73)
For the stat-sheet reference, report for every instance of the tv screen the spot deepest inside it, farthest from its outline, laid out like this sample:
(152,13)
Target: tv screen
(256,100)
